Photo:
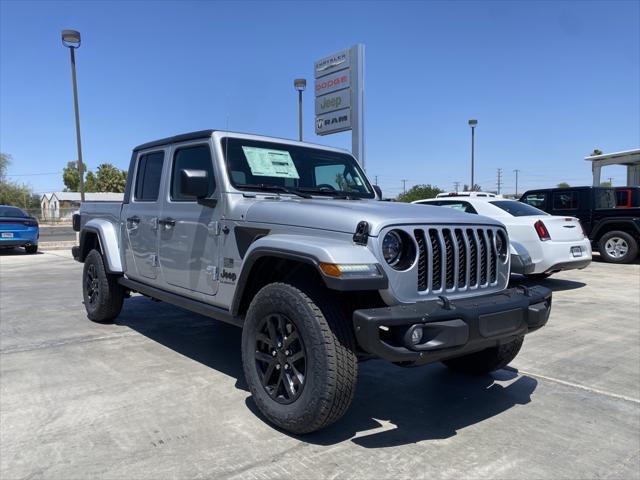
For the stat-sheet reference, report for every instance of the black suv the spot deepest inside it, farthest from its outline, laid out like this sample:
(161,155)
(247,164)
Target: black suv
(614,232)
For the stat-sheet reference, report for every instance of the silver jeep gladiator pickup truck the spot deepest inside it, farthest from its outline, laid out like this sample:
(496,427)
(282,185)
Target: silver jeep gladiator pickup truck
(288,241)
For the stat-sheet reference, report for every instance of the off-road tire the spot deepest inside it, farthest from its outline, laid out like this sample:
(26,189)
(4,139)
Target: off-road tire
(331,364)
(107,303)
(30,249)
(632,250)
(486,361)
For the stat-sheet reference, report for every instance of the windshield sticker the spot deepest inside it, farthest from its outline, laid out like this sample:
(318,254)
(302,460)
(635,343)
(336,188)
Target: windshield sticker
(265,162)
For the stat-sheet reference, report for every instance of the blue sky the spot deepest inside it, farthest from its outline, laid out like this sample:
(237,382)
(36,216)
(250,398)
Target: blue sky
(547,81)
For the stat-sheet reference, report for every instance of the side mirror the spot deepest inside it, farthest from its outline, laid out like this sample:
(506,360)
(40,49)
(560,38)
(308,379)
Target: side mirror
(195,183)
(378,191)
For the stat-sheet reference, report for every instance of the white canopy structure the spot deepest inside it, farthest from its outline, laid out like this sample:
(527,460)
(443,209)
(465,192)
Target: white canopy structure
(630,158)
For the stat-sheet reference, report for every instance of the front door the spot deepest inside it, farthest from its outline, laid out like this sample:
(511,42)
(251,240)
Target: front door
(140,217)
(189,232)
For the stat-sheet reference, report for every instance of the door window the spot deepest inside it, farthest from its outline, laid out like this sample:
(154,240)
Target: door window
(148,177)
(197,157)
(535,200)
(565,200)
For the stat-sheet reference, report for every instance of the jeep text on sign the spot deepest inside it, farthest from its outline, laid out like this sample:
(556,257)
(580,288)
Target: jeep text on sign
(333,82)
(332,63)
(333,101)
(333,122)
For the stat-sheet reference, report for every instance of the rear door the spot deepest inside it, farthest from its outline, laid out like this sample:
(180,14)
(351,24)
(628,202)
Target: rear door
(140,216)
(189,232)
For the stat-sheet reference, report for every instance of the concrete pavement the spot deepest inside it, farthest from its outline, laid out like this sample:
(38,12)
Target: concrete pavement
(161,394)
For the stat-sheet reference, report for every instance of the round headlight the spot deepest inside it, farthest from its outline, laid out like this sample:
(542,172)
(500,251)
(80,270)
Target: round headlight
(392,247)
(502,245)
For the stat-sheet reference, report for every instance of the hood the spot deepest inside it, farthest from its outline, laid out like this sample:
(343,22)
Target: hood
(344,215)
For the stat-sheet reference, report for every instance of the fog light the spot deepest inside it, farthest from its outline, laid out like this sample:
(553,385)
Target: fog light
(416,335)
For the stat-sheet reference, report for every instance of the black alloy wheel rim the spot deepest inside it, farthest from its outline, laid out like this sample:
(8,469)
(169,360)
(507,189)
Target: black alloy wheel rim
(280,358)
(92,284)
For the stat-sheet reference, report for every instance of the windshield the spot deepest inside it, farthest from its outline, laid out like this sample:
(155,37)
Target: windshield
(12,212)
(258,165)
(517,209)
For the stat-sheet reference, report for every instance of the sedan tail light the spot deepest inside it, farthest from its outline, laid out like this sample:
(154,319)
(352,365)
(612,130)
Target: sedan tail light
(541,230)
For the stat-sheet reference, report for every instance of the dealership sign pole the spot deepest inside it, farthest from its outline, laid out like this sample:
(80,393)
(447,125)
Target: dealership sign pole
(339,96)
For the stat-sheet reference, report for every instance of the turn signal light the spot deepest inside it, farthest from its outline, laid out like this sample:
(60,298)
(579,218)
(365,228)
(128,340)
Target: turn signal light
(542,231)
(349,270)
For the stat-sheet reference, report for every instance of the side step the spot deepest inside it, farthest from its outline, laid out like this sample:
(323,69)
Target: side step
(196,306)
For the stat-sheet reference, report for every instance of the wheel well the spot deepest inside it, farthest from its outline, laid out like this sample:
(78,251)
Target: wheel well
(275,269)
(272,269)
(621,227)
(89,241)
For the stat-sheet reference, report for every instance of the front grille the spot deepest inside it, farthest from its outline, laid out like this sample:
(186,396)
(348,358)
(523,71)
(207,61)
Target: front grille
(456,258)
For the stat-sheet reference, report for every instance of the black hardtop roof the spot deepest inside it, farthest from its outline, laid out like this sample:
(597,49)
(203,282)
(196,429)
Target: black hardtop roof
(562,188)
(175,139)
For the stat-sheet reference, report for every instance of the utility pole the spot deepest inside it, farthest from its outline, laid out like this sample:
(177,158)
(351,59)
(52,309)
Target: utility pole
(456,185)
(499,180)
(376,179)
(517,171)
(611,181)
(404,185)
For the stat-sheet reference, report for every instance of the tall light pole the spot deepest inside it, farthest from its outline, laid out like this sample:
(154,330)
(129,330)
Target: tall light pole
(71,40)
(300,84)
(472,124)
(517,171)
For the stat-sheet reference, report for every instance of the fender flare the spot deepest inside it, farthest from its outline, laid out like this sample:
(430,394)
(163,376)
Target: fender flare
(312,252)
(108,239)
(633,222)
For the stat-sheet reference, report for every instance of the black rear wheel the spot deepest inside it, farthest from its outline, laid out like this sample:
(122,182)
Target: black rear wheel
(103,296)
(30,249)
(618,247)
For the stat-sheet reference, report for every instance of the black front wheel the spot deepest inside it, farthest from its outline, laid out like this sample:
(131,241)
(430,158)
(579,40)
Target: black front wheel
(298,358)
(103,296)
(487,360)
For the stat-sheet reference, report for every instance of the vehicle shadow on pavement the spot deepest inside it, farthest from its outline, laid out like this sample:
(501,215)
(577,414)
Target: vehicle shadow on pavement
(397,406)
(392,406)
(553,284)
(207,341)
(7,252)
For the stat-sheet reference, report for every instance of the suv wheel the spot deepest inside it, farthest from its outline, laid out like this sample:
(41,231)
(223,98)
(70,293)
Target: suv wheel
(298,358)
(31,249)
(103,296)
(487,360)
(618,247)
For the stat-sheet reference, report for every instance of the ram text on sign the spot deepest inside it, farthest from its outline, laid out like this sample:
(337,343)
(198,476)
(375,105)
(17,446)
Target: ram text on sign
(333,122)
(333,82)
(332,63)
(333,101)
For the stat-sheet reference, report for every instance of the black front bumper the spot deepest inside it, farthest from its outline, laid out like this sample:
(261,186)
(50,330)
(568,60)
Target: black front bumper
(451,328)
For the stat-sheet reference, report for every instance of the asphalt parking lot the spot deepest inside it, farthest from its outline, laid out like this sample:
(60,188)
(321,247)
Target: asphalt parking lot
(161,394)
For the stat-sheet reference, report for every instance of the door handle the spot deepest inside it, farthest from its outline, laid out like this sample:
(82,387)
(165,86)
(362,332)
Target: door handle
(167,222)
(132,222)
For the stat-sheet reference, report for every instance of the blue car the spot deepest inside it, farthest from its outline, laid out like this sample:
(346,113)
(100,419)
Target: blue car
(17,229)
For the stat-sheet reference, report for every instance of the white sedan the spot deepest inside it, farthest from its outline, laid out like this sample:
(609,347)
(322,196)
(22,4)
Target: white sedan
(541,244)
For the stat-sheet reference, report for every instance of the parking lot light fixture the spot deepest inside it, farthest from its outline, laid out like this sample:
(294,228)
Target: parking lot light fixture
(300,84)
(472,124)
(71,39)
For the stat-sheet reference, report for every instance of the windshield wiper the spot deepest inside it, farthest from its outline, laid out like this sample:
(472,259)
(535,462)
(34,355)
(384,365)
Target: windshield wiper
(337,194)
(275,188)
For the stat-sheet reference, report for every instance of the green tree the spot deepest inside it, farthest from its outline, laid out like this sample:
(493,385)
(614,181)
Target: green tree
(563,185)
(110,178)
(90,182)
(419,192)
(606,184)
(71,177)
(5,160)
(476,188)
(13,193)
(595,152)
